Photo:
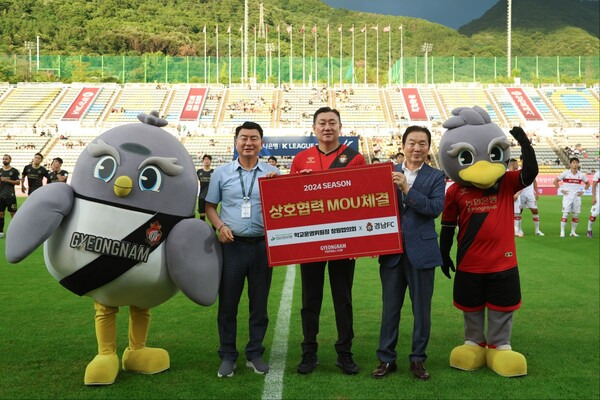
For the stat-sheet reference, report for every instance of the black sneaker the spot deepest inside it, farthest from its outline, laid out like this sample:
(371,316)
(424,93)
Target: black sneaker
(347,364)
(308,364)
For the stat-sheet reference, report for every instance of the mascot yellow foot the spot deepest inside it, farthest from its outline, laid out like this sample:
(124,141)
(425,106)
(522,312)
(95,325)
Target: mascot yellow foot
(468,357)
(102,370)
(505,362)
(147,360)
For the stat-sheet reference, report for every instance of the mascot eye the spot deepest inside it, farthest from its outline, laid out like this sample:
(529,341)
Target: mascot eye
(465,157)
(105,168)
(150,179)
(496,154)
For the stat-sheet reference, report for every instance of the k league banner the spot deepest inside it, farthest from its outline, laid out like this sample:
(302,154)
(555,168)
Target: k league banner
(330,215)
(281,146)
(81,104)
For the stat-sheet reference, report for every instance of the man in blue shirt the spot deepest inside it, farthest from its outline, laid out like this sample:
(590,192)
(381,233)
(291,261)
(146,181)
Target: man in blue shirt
(241,233)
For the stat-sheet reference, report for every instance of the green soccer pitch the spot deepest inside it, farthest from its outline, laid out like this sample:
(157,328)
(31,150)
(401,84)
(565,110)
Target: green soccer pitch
(47,335)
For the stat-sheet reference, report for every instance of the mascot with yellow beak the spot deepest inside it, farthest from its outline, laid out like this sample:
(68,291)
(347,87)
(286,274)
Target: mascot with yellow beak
(474,153)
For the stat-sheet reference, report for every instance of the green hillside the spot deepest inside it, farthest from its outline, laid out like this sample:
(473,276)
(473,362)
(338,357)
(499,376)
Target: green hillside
(539,27)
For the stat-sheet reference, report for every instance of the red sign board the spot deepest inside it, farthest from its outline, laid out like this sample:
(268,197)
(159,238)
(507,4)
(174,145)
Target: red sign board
(330,215)
(82,102)
(414,104)
(524,104)
(193,104)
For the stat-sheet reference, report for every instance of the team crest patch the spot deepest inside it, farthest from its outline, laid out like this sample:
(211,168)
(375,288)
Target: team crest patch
(153,234)
(310,160)
(343,158)
(369,227)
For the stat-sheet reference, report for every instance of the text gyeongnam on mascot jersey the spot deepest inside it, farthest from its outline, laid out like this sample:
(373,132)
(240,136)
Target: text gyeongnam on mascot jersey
(331,215)
(124,233)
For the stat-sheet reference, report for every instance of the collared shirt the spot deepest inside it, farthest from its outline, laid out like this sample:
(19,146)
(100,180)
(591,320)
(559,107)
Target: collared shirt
(225,188)
(411,175)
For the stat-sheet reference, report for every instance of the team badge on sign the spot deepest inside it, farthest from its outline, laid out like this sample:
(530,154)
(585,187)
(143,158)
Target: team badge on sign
(343,158)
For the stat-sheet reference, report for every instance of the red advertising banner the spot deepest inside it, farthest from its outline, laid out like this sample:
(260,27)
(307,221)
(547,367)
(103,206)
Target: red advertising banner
(414,104)
(330,215)
(524,104)
(193,104)
(82,102)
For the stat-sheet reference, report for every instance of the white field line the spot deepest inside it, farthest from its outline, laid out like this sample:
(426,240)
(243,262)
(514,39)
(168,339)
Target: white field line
(273,389)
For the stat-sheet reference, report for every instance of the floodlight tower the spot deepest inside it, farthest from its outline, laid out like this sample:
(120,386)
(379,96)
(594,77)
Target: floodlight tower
(426,48)
(29,46)
(508,37)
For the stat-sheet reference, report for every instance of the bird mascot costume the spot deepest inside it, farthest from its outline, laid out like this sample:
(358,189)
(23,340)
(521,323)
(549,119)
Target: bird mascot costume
(474,152)
(124,233)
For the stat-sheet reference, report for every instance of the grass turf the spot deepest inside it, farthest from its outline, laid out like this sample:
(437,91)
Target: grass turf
(47,335)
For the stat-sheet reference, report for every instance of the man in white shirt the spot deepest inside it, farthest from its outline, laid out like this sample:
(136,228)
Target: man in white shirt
(528,199)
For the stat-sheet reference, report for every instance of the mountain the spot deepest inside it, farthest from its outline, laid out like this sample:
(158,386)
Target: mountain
(539,27)
(175,27)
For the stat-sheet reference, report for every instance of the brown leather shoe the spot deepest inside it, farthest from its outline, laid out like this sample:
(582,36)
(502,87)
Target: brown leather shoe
(418,370)
(383,369)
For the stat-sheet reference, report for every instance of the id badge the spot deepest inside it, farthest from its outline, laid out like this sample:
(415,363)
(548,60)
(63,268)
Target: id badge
(246,209)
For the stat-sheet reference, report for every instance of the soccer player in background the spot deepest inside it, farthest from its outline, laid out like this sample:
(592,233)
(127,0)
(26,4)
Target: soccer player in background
(595,203)
(528,199)
(204,175)
(513,165)
(34,173)
(572,190)
(273,161)
(9,177)
(57,174)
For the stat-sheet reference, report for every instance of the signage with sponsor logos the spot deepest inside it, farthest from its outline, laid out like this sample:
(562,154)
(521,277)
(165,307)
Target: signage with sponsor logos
(330,215)
(80,105)
(193,104)
(414,104)
(524,104)
(281,146)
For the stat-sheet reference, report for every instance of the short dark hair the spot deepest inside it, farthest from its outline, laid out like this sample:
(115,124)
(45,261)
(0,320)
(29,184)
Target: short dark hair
(249,125)
(39,154)
(60,160)
(375,159)
(513,160)
(272,158)
(9,157)
(573,159)
(399,154)
(207,156)
(416,128)
(326,110)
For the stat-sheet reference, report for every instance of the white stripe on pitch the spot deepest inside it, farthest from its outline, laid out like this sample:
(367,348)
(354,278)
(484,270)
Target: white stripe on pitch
(273,388)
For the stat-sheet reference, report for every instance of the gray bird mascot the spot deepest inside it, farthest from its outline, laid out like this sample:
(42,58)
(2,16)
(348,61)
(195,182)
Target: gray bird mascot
(123,233)
(474,153)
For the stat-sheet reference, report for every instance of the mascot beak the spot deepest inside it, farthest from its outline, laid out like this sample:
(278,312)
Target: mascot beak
(483,174)
(123,186)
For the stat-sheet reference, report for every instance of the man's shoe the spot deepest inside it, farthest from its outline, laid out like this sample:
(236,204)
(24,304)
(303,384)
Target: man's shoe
(589,234)
(519,234)
(226,369)
(347,364)
(573,234)
(259,365)
(539,233)
(308,364)
(418,370)
(383,369)
(562,234)
(1,235)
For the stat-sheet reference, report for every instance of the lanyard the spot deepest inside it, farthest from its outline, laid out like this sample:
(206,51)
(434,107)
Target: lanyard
(246,198)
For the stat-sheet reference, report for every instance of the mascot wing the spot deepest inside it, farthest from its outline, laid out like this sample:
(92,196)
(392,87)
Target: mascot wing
(37,219)
(194,260)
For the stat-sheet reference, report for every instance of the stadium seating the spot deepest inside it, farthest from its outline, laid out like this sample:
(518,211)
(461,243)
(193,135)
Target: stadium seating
(298,105)
(135,99)
(27,102)
(243,104)
(576,105)
(360,107)
(453,96)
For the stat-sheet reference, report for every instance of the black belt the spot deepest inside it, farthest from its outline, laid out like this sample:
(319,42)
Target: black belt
(249,239)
